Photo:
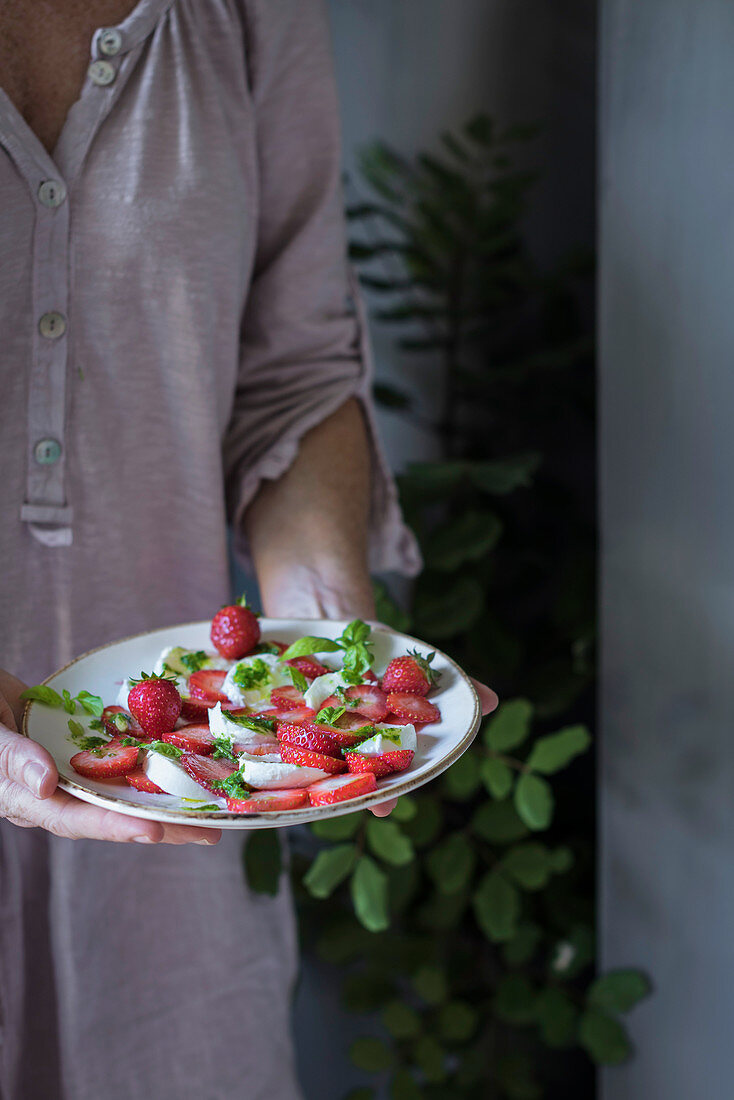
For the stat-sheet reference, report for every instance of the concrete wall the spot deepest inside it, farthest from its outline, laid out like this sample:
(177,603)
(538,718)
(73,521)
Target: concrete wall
(667,397)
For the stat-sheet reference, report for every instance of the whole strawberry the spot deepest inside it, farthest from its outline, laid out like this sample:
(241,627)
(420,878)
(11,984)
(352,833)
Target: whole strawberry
(235,630)
(412,674)
(155,702)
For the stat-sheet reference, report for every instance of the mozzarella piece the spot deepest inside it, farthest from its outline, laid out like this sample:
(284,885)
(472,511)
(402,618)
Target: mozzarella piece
(375,746)
(322,687)
(171,777)
(125,689)
(250,740)
(269,772)
(219,725)
(278,675)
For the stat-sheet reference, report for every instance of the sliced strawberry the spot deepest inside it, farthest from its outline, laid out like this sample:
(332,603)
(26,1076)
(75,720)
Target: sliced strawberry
(287,697)
(339,788)
(310,737)
(134,728)
(365,699)
(139,780)
(297,715)
(206,684)
(262,801)
(194,738)
(309,667)
(350,722)
(306,758)
(260,745)
(384,763)
(370,676)
(197,710)
(107,762)
(412,708)
(343,737)
(207,771)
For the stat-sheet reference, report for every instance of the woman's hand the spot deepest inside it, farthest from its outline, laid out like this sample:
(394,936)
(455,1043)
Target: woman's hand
(488,700)
(29,795)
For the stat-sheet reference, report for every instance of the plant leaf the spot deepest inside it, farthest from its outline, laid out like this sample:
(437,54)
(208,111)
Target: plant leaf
(450,611)
(509,726)
(402,1021)
(403,1087)
(467,538)
(498,822)
(534,801)
(337,828)
(430,984)
(505,475)
(387,841)
(529,865)
(369,895)
(463,779)
(457,1021)
(603,1038)
(557,1017)
(514,1000)
(619,990)
(331,866)
(92,704)
(496,776)
(551,753)
(263,861)
(451,863)
(371,1054)
(497,907)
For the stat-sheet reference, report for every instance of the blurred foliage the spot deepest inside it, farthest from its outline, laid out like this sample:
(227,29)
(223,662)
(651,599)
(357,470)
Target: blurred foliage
(464,923)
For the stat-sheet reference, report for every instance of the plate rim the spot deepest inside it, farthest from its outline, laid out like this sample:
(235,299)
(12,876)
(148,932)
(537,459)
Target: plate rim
(296,816)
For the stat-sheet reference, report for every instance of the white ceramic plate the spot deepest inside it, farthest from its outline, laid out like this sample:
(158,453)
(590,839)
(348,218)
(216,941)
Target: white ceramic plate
(102,670)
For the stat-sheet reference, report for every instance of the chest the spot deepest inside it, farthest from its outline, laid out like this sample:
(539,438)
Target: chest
(44,54)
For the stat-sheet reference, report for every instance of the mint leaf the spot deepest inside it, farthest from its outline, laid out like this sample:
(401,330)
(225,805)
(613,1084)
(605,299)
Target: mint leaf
(330,715)
(194,662)
(233,786)
(307,645)
(41,693)
(92,704)
(299,680)
(259,725)
(251,676)
(223,749)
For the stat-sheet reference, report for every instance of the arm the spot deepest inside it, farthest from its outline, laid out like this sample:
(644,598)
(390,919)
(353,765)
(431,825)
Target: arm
(308,530)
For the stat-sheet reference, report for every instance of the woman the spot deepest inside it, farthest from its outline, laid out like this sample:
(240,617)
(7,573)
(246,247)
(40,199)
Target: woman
(180,347)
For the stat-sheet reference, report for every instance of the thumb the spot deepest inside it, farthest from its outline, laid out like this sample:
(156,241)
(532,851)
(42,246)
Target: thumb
(24,761)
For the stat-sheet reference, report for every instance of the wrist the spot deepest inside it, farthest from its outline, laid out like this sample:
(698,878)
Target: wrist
(329,590)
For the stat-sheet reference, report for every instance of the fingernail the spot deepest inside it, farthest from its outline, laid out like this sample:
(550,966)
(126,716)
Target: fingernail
(143,840)
(33,777)
(207,842)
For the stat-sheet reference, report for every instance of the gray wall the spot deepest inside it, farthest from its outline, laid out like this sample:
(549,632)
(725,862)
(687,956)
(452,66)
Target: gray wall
(406,70)
(667,339)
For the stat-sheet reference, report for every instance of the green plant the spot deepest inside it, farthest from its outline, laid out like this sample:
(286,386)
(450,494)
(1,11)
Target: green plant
(465,921)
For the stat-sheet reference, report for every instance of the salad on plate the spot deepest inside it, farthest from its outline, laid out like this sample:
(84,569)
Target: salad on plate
(254,725)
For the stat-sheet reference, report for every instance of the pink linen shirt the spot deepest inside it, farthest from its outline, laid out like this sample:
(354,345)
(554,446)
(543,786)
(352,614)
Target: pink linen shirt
(175,312)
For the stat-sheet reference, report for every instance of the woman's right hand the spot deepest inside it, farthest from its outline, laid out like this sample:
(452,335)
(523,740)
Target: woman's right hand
(29,795)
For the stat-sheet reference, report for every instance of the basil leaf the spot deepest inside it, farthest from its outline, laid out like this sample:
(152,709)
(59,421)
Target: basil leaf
(356,632)
(307,645)
(41,693)
(92,704)
(68,703)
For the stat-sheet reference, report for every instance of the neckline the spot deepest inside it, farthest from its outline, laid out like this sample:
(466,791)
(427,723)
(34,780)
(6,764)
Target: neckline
(134,29)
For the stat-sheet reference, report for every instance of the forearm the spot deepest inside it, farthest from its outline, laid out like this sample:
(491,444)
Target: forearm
(308,531)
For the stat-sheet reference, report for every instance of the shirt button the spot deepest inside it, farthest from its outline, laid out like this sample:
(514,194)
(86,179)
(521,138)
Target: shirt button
(47,451)
(52,325)
(51,193)
(110,41)
(101,72)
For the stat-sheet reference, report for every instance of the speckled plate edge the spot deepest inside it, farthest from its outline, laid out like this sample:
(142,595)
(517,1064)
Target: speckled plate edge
(273,818)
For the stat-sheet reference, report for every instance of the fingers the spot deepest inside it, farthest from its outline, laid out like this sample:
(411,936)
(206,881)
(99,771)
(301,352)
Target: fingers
(24,762)
(66,816)
(488,699)
(382,809)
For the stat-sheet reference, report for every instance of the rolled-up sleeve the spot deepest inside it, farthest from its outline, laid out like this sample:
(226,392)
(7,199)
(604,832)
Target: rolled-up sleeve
(304,345)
